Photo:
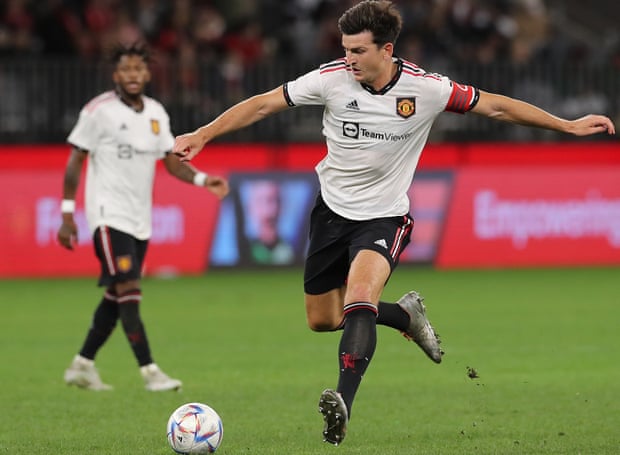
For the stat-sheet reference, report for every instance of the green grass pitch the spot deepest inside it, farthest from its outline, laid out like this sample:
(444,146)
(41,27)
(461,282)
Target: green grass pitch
(544,344)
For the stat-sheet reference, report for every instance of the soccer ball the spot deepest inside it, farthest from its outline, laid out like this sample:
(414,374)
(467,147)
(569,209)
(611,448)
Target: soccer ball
(195,428)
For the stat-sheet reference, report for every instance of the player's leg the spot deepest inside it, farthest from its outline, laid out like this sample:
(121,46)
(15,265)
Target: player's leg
(82,371)
(325,274)
(408,314)
(368,273)
(367,276)
(324,312)
(374,247)
(128,255)
(103,324)
(130,297)
(353,253)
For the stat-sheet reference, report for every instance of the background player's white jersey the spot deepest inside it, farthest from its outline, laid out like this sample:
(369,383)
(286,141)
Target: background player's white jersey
(374,139)
(124,146)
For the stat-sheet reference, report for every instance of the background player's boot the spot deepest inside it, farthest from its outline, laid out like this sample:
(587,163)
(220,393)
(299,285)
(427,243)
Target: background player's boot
(420,329)
(335,415)
(156,380)
(82,373)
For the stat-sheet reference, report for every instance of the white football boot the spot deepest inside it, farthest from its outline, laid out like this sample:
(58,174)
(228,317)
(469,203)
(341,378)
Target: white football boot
(156,380)
(82,373)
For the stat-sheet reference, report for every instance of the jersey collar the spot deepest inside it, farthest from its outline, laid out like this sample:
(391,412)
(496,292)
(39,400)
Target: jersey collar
(392,83)
(130,106)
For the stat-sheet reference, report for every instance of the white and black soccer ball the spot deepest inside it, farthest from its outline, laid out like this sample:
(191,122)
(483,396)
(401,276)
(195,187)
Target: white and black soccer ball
(195,428)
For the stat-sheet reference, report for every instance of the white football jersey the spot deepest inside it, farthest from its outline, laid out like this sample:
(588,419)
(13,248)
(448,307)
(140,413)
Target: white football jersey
(123,146)
(374,138)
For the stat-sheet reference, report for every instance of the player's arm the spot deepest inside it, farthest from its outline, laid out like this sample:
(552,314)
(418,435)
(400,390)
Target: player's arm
(237,117)
(67,233)
(508,109)
(187,173)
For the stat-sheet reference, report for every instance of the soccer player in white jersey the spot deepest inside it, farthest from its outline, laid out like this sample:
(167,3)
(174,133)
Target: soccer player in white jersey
(124,133)
(378,111)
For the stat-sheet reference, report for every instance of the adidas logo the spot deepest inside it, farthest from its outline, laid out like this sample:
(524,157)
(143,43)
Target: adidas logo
(381,242)
(353,105)
(123,126)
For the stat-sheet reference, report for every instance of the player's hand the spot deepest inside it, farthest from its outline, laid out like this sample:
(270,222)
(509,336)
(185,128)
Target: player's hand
(67,233)
(217,185)
(187,146)
(592,124)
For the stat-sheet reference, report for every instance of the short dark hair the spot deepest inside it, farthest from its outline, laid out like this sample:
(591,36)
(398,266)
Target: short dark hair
(138,48)
(379,17)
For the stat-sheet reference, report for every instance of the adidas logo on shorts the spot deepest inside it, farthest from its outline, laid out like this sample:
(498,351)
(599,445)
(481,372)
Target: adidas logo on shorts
(381,242)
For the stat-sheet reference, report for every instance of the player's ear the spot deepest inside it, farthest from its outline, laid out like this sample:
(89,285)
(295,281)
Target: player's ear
(147,76)
(388,49)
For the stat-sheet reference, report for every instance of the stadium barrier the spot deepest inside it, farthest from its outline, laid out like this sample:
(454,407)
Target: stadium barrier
(474,204)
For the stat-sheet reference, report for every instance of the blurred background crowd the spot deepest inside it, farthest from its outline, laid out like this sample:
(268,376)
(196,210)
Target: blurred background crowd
(208,54)
(249,30)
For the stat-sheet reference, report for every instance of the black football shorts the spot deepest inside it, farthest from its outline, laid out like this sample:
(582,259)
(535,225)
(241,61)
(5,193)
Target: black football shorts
(335,241)
(121,255)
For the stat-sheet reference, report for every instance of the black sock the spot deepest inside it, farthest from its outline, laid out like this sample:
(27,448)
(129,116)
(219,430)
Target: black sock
(357,346)
(104,321)
(129,310)
(392,315)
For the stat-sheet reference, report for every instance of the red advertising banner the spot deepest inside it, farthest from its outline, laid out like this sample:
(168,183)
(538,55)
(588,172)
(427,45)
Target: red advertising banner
(183,223)
(533,216)
(474,205)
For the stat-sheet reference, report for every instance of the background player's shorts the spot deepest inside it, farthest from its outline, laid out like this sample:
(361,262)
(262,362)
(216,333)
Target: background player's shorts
(121,255)
(335,241)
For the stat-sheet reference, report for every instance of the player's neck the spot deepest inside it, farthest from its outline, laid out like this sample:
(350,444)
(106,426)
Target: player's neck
(135,102)
(386,77)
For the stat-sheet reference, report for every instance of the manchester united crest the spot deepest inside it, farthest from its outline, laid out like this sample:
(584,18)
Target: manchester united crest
(123,263)
(155,126)
(405,107)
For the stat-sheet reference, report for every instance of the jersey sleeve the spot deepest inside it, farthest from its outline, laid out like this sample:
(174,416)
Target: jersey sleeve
(305,90)
(85,132)
(461,98)
(167,139)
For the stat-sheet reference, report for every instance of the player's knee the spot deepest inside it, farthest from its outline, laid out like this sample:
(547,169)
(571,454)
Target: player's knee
(324,312)
(360,292)
(321,323)
(321,327)
(317,326)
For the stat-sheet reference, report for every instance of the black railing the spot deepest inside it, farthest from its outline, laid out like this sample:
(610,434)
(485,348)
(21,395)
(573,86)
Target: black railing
(41,98)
